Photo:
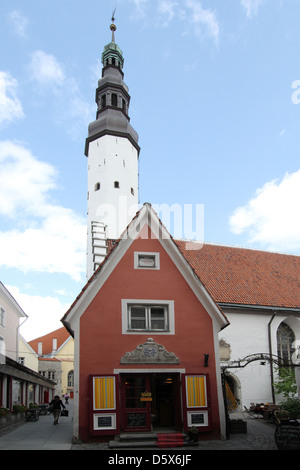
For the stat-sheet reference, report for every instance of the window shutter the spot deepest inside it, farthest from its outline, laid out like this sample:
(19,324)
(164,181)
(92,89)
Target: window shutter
(195,401)
(104,404)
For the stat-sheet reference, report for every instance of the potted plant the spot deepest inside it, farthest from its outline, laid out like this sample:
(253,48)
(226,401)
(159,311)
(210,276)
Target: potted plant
(193,434)
(18,408)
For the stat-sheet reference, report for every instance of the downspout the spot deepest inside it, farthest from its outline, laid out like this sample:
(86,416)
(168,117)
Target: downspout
(18,337)
(271,360)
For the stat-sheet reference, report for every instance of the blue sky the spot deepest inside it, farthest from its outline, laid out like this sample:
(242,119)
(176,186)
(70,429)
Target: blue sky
(215,93)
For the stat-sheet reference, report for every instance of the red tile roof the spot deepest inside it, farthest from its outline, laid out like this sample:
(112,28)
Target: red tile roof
(243,276)
(61,335)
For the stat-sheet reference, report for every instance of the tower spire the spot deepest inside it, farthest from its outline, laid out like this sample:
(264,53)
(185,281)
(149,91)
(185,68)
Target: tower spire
(113,26)
(113,153)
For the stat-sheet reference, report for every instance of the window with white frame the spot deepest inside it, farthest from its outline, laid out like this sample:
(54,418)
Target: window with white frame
(146,260)
(147,316)
(2,316)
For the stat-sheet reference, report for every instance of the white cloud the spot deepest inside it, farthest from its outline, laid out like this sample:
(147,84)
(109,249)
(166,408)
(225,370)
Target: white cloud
(10,105)
(72,111)
(44,313)
(45,69)
(24,180)
(167,8)
(272,216)
(47,237)
(19,23)
(203,19)
(251,6)
(140,8)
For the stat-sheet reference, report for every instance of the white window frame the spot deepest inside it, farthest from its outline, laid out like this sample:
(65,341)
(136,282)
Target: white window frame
(2,316)
(127,303)
(190,414)
(142,254)
(112,416)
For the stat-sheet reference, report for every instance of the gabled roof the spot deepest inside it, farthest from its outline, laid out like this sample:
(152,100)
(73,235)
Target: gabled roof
(145,216)
(246,277)
(61,335)
(11,301)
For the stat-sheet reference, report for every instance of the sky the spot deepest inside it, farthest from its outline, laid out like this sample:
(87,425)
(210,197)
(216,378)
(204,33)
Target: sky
(215,99)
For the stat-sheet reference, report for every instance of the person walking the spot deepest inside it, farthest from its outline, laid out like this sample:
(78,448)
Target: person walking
(56,403)
(66,399)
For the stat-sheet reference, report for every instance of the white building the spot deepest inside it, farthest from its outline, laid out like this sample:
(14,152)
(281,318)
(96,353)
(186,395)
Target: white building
(259,292)
(19,384)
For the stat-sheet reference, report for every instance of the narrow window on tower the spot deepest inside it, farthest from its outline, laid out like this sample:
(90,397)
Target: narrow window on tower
(116,184)
(103,101)
(114,99)
(132,191)
(97,186)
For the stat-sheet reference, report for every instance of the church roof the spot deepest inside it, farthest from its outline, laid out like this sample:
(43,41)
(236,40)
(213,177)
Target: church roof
(244,276)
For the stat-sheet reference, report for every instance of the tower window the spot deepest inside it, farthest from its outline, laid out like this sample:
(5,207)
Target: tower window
(97,186)
(114,99)
(103,101)
(116,184)
(132,191)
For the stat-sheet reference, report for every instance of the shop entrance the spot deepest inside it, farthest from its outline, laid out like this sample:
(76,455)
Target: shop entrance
(150,402)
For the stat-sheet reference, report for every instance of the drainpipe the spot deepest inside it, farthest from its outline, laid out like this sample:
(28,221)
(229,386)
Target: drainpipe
(18,337)
(271,360)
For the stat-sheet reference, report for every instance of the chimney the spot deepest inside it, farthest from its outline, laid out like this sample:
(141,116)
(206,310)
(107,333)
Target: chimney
(54,345)
(40,348)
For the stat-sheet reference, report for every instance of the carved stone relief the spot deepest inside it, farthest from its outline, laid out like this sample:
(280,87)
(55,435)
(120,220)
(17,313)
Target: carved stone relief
(149,353)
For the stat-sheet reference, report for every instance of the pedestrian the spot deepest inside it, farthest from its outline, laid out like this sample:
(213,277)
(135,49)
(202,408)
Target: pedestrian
(56,403)
(66,399)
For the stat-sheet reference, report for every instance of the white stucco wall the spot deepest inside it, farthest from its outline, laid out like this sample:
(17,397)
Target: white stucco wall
(248,335)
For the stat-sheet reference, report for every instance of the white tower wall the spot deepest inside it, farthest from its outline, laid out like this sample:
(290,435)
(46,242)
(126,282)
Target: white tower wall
(112,192)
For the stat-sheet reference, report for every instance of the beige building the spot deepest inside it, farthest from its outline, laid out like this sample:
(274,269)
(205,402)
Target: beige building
(55,352)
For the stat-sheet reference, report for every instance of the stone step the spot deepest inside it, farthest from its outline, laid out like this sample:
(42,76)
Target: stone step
(134,441)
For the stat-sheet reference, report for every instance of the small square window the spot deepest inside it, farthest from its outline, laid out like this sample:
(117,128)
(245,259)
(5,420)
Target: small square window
(146,260)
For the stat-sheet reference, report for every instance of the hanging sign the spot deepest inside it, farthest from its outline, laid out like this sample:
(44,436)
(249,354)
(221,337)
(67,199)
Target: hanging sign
(146,396)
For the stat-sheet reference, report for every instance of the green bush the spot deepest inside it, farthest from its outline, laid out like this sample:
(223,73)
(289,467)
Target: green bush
(292,405)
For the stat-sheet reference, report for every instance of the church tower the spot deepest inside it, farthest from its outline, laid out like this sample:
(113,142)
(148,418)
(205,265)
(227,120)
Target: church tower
(112,150)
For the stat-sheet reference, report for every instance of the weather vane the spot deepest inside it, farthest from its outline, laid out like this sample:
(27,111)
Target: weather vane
(113,26)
